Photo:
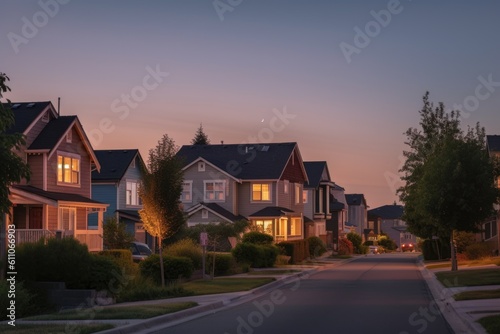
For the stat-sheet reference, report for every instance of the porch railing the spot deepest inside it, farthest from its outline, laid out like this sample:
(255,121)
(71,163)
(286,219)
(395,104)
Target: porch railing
(27,235)
(92,238)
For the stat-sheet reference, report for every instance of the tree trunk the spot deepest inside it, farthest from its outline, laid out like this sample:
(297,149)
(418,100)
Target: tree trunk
(162,270)
(453,249)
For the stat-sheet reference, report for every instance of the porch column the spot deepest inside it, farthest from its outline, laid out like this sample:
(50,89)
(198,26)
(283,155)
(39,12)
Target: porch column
(100,223)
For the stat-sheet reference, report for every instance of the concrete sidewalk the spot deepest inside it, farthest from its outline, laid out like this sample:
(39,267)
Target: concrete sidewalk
(462,316)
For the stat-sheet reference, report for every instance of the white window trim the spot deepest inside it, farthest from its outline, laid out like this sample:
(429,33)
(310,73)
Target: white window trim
(261,201)
(73,225)
(223,190)
(201,166)
(204,213)
(305,196)
(138,200)
(298,194)
(73,156)
(190,182)
(286,186)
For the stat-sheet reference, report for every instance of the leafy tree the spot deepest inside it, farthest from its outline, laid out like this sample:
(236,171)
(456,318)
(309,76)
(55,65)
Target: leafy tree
(160,192)
(448,176)
(13,168)
(200,137)
(115,234)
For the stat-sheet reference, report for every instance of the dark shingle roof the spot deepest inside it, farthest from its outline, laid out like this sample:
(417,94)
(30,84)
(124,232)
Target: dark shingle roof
(130,214)
(57,196)
(314,170)
(52,133)
(355,199)
(114,164)
(24,115)
(223,212)
(392,211)
(271,211)
(242,161)
(493,143)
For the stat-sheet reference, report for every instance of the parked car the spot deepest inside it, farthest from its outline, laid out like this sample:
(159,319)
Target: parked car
(408,247)
(373,250)
(140,251)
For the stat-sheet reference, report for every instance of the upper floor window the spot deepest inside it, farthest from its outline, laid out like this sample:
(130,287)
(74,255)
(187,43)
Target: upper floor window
(304,196)
(298,194)
(286,184)
(187,192)
(215,190)
(132,193)
(261,192)
(68,169)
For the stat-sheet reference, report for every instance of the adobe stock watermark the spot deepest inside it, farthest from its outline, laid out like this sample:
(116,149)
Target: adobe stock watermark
(373,28)
(127,101)
(31,26)
(223,6)
(394,181)
(483,91)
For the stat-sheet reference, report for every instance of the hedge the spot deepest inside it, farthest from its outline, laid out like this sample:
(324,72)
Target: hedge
(175,267)
(257,256)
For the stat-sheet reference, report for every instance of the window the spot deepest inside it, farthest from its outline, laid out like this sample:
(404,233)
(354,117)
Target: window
(281,227)
(204,214)
(215,191)
(490,230)
(294,228)
(265,226)
(298,193)
(261,192)
(304,196)
(320,200)
(69,136)
(67,219)
(187,192)
(286,183)
(68,169)
(201,166)
(132,193)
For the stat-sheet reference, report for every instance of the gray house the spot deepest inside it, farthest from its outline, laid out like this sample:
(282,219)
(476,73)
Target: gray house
(392,224)
(262,183)
(357,212)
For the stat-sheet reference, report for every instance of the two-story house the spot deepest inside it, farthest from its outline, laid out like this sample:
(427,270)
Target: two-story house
(262,183)
(358,212)
(490,229)
(337,225)
(317,199)
(57,199)
(392,223)
(118,185)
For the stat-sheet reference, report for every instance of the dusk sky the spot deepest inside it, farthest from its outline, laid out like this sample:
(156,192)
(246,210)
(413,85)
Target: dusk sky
(345,77)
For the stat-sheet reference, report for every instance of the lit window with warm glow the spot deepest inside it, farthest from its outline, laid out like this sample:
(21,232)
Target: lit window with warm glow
(68,169)
(261,192)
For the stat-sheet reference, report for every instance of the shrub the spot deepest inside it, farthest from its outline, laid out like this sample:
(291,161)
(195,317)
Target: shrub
(345,246)
(356,241)
(258,238)
(298,250)
(387,243)
(225,263)
(436,249)
(104,271)
(257,256)
(122,258)
(463,240)
(316,246)
(27,303)
(186,248)
(368,243)
(115,234)
(175,267)
(478,251)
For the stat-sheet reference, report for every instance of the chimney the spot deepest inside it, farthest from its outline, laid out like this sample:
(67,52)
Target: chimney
(58,106)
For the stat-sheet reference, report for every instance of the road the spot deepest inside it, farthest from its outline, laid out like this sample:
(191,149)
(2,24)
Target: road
(373,294)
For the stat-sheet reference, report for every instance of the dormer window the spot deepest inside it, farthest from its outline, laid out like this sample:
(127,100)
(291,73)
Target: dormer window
(68,169)
(69,137)
(201,166)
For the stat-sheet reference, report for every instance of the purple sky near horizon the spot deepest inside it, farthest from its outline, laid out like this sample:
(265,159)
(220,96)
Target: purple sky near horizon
(264,57)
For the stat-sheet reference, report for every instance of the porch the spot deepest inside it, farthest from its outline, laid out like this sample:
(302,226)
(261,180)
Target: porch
(91,238)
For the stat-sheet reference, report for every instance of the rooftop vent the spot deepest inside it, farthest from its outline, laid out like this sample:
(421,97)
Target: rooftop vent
(264,148)
(15,106)
(30,105)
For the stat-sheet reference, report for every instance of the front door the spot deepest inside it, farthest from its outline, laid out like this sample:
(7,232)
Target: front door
(35,218)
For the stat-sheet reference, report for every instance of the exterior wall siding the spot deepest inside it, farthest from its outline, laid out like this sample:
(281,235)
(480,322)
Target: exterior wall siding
(197,218)
(293,171)
(246,206)
(308,207)
(36,166)
(105,193)
(53,218)
(81,219)
(132,174)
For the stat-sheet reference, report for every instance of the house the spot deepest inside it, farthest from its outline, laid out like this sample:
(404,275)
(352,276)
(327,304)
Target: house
(57,200)
(316,199)
(117,184)
(357,212)
(392,223)
(374,227)
(262,183)
(490,230)
(336,225)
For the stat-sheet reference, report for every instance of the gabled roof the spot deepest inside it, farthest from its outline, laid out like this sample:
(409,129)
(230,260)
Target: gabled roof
(215,209)
(243,161)
(493,143)
(114,164)
(52,133)
(392,211)
(355,199)
(314,170)
(130,214)
(25,113)
(272,211)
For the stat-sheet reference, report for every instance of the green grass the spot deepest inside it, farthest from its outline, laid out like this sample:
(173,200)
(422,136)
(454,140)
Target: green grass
(273,272)
(51,329)
(223,285)
(469,277)
(479,294)
(491,324)
(124,312)
(470,263)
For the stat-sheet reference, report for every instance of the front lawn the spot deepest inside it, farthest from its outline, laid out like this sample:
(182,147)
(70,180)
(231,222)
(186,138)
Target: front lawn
(120,312)
(469,263)
(469,277)
(479,294)
(51,329)
(223,285)
(491,324)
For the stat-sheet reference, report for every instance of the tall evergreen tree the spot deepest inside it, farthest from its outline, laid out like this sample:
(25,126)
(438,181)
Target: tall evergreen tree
(448,176)
(200,137)
(160,193)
